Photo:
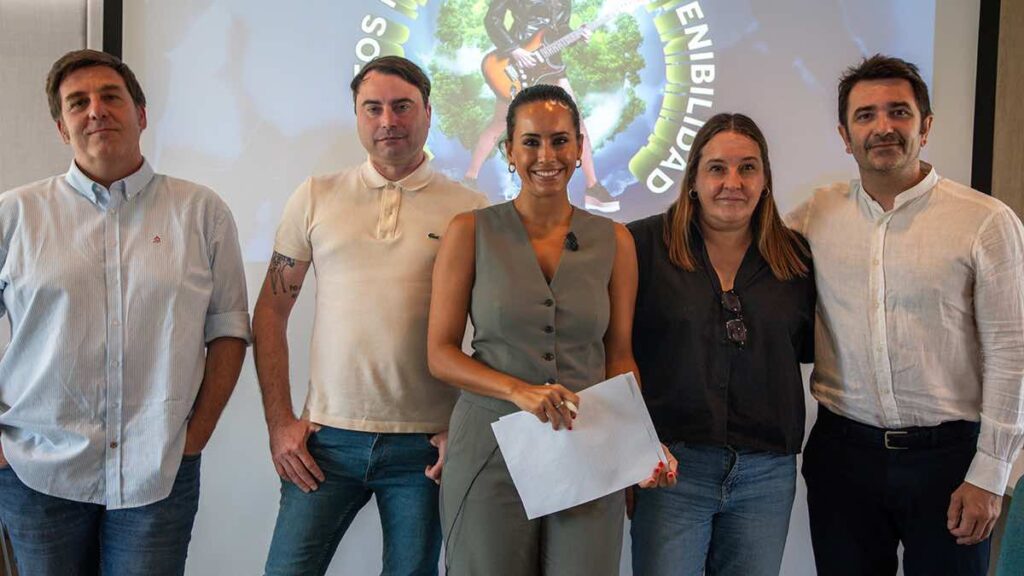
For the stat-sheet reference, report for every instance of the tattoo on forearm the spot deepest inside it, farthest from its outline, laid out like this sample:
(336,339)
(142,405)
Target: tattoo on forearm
(278,262)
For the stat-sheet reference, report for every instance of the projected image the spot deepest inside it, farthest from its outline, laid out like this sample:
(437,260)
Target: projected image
(485,51)
(645,74)
(533,43)
(250,97)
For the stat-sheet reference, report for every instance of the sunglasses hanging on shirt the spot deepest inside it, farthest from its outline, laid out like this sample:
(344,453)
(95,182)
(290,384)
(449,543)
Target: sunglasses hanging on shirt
(735,329)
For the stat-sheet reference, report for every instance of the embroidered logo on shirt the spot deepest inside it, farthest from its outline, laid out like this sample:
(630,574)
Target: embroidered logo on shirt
(156,239)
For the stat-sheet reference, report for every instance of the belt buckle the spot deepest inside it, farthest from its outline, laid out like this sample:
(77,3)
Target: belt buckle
(888,434)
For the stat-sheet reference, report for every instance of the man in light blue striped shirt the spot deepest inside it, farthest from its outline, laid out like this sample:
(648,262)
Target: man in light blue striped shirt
(126,298)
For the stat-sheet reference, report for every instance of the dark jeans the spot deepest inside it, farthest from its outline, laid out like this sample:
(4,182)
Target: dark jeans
(57,537)
(359,465)
(864,499)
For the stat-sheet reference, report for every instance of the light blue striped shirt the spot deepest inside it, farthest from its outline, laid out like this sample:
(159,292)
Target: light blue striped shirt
(112,295)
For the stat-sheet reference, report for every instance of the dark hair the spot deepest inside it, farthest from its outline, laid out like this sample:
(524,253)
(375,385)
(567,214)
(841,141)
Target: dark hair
(79,59)
(394,66)
(880,67)
(540,93)
(778,244)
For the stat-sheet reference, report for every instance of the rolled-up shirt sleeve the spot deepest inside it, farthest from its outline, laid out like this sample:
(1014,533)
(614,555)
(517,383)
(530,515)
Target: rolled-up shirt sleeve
(228,312)
(999,313)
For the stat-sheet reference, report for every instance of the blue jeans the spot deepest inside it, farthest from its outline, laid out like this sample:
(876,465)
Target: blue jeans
(727,515)
(357,465)
(52,536)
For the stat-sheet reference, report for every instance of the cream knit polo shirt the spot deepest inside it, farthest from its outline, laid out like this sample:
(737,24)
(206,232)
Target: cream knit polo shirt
(372,243)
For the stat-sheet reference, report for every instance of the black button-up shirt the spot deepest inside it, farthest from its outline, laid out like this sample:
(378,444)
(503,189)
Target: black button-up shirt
(699,386)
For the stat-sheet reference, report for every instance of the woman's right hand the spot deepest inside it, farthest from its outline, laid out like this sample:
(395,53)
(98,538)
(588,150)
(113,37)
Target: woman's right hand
(549,403)
(665,473)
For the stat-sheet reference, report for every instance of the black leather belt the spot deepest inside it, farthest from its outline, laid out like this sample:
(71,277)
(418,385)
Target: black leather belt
(915,437)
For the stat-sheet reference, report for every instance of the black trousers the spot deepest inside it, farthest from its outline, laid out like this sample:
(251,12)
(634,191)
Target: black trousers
(864,498)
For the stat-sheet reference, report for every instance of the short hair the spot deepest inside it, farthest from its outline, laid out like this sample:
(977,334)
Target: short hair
(78,59)
(881,67)
(540,93)
(777,244)
(394,66)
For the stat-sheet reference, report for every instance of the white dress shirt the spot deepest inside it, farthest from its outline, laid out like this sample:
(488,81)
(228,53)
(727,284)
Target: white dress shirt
(112,295)
(921,312)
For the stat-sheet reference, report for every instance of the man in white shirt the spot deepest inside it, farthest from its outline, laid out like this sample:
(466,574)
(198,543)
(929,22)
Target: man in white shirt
(125,292)
(919,349)
(375,421)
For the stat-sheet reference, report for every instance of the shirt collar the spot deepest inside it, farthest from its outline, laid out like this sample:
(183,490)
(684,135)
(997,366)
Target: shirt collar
(130,186)
(750,265)
(903,198)
(418,180)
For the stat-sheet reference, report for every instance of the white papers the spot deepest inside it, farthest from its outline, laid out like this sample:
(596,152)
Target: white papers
(612,445)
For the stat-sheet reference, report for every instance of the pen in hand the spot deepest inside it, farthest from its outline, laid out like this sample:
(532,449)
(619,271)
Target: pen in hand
(569,405)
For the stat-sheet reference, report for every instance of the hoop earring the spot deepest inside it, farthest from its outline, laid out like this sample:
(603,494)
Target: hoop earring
(579,162)
(693,194)
(766,192)
(511,168)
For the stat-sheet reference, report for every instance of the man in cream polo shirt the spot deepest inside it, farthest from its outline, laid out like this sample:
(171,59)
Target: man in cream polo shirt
(375,421)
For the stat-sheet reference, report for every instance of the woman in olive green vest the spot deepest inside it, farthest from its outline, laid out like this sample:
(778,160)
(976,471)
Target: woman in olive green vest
(550,290)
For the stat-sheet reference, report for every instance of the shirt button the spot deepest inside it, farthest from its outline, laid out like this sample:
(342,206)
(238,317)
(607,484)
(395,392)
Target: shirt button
(549,302)
(875,262)
(113,444)
(115,363)
(116,322)
(549,356)
(549,329)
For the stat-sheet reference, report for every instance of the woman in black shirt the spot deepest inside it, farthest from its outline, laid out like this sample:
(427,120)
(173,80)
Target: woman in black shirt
(724,317)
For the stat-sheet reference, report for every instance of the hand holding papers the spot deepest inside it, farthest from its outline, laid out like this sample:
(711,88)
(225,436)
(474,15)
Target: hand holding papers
(612,445)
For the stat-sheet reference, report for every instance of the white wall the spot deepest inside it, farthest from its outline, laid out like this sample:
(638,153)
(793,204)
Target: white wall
(32,35)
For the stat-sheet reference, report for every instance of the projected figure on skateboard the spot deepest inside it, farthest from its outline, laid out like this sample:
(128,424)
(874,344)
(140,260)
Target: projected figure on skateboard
(527,53)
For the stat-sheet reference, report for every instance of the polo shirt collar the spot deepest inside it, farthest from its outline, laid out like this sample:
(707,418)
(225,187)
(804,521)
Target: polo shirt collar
(130,186)
(418,180)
